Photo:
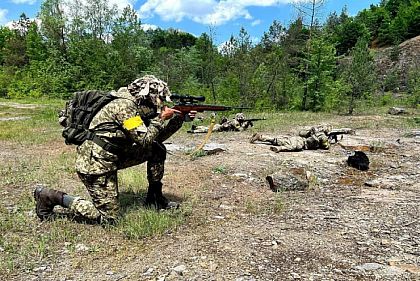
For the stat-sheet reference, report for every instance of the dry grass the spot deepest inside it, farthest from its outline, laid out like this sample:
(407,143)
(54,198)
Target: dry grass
(32,152)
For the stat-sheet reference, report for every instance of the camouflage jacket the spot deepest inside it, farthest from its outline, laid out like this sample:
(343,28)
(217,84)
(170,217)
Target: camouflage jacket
(122,123)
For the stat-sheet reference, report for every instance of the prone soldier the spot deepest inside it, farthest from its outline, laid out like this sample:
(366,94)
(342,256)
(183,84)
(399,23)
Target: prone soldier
(238,124)
(313,138)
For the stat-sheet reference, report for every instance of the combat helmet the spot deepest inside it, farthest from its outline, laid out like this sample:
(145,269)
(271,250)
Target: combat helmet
(240,117)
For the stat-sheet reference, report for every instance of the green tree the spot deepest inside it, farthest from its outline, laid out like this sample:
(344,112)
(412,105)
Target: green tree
(14,54)
(321,69)
(35,46)
(359,72)
(348,34)
(53,26)
(5,34)
(130,54)
(208,62)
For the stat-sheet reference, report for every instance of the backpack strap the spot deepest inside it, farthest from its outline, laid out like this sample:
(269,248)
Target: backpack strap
(112,148)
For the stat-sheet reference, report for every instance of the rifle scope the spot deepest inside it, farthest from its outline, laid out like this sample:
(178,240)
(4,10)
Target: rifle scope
(187,99)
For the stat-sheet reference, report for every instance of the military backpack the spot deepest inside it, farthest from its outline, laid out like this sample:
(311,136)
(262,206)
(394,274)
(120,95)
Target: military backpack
(79,112)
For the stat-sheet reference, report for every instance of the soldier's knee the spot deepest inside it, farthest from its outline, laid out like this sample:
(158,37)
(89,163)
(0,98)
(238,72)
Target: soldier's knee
(84,208)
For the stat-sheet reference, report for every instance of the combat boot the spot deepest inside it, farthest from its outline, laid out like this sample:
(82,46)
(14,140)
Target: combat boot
(46,199)
(155,198)
(255,137)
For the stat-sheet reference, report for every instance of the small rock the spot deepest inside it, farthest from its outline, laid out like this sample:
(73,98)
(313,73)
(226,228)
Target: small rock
(415,133)
(373,183)
(295,275)
(149,271)
(212,266)
(385,242)
(240,175)
(397,111)
(369,266)
(81,248)
(214,148)
(179,269)
(41,268)
(1,249)
(162,277)
(225,207)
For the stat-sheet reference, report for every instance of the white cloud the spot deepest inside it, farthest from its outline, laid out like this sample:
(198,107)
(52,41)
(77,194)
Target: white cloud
(256,22)
(3,13)
(146,26)
(30,2)
(121,4)
(203,11)
(69,8)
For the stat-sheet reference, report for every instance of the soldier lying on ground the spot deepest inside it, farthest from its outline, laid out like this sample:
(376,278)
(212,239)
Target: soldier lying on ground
(313,138)
(239,123)
(136,123)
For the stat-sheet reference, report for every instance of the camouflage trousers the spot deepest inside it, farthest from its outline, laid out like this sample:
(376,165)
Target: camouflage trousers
(103,189)
(286,143)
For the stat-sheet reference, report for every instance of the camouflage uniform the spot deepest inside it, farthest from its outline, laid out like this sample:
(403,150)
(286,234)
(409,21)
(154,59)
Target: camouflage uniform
(236,125)
(312,138)
(128,126)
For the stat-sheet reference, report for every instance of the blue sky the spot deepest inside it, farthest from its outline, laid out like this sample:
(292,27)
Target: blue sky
(196,16)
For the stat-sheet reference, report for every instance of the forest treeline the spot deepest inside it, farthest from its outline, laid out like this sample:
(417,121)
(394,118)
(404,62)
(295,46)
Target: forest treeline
(307,65)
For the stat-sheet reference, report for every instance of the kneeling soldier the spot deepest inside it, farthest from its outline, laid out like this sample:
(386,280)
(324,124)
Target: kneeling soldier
(129,130)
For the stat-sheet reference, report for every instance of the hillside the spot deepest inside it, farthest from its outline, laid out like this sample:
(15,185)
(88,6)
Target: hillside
(395,63)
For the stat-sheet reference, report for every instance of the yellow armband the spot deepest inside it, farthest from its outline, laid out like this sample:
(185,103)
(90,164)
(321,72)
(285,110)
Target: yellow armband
(132,123)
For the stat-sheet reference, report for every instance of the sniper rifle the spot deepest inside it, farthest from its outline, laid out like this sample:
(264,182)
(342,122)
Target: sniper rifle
(185,104)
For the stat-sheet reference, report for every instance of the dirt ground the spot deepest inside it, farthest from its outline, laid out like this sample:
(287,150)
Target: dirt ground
(349,225)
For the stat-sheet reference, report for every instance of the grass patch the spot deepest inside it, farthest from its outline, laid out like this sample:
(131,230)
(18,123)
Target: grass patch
(278,206)
(141,223)
(197,154)
(133,179)
(220,170)
(40,127)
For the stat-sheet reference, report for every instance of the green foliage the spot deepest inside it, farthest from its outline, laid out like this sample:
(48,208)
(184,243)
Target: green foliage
(348,35)
(137,224)
(40,78)
(220,170)
(414,86)
(91,45)
(359,73)
(321,69)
